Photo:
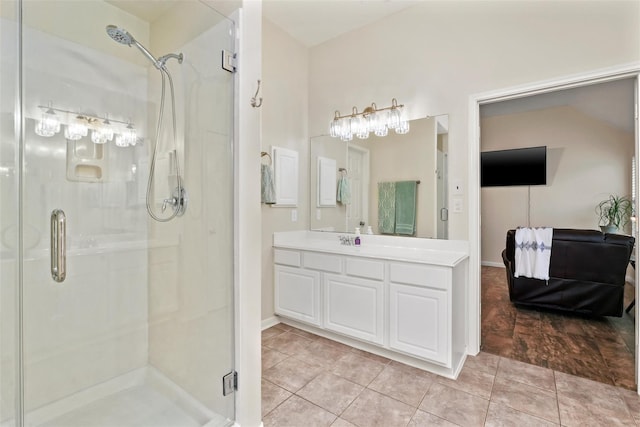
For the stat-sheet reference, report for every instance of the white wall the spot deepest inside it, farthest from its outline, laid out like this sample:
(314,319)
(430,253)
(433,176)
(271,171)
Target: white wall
(284,124)
(434,55)
(587,160)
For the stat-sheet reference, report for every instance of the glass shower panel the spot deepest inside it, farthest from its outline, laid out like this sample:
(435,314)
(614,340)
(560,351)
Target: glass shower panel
(9,215)
(140,331)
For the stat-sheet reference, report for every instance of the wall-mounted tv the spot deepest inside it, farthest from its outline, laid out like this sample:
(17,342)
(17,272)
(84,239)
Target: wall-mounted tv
(521,166)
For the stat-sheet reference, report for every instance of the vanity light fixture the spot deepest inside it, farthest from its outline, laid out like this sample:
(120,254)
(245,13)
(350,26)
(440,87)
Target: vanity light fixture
(49,124)
(371,119)
(77,126)
(127,137)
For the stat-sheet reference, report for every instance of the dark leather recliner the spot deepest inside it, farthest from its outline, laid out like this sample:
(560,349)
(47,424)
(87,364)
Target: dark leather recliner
(586,273)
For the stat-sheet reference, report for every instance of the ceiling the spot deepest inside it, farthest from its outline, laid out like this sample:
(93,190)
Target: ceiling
(611,102)
(313,22)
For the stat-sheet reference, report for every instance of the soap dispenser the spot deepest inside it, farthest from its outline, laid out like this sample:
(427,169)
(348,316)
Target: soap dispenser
(357,241)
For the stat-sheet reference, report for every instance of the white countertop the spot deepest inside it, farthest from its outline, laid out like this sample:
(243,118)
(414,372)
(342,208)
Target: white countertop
(446,253)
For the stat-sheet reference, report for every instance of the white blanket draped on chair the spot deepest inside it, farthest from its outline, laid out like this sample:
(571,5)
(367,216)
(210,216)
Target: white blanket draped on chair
(533,252)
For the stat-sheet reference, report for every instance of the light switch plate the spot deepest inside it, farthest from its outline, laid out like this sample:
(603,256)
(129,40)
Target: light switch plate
(294,215)
(457,205)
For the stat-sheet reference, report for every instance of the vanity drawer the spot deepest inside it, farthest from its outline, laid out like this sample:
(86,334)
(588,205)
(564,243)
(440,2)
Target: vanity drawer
(365,268)
(291,258)
(421,275)
(323,262)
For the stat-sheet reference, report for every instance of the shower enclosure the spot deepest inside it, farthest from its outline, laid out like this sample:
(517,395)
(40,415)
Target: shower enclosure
(108,316)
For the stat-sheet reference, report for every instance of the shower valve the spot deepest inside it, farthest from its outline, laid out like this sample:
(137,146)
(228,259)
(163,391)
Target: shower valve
(170,201)
(177,201)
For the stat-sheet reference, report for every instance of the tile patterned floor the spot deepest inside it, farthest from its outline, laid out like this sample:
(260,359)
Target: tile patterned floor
(310,381)
(600,349)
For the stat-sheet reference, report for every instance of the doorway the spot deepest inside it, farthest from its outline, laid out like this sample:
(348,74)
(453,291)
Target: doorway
(475,195)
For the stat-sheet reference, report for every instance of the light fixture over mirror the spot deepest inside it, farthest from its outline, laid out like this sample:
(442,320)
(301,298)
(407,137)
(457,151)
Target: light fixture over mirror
(371,120)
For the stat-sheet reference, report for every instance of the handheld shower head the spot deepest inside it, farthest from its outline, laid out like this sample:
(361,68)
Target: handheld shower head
(122,36)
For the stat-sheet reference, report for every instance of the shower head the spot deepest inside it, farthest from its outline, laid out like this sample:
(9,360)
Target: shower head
(122,36)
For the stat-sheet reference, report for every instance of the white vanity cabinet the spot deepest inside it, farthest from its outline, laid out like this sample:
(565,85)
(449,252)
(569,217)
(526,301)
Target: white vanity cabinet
(420,311)
(298,294)
(403,303)
(354,307)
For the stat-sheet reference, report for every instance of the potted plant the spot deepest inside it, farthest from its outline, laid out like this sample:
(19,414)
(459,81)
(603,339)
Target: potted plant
(614,213)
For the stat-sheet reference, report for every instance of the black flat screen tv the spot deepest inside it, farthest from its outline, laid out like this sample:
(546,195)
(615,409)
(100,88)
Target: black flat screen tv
(521,166)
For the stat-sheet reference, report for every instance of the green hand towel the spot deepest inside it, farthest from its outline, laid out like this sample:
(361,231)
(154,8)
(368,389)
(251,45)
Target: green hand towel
(386,207)
(406,207)
(344,191)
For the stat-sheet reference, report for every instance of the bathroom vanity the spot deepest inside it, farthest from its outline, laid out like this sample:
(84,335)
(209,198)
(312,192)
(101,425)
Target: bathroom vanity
(400,297)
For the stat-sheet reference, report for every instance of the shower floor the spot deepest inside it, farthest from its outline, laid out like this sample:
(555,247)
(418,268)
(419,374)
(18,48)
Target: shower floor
(143,398)
(138,406)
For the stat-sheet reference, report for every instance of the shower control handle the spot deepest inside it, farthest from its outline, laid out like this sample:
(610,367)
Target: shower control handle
(170,201)
(58,245)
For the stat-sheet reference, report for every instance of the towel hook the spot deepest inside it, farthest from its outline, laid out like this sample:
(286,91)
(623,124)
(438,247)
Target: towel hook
(254,102)
(264,153)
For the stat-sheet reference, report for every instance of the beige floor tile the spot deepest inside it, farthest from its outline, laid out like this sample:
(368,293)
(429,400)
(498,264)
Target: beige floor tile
(371,356)
(291,374)
(425,419)
(271,358)
(527,374)
(500,415)
(331,392)
(470,380)
(297,412)
(454,405)
(632,400)
(373,409)
(272,332)
(320,353)
(288,343)
(272,396)
(579,413)
(403,383)
(358,369)
(342,423)
(585,402)
(526,398)
(303,334)
(485,362)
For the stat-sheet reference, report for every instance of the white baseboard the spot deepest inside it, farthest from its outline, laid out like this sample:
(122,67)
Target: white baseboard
(492,264)
(269,322)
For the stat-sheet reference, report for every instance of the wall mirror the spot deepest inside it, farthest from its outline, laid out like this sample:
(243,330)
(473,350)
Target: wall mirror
(345,177)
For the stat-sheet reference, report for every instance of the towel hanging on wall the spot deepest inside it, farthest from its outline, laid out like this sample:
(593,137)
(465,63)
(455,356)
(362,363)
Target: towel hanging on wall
(344,190)
(406,207)
(387,207)
(268,188)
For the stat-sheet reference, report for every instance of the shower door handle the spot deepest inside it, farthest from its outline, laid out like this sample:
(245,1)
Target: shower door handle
(58,245)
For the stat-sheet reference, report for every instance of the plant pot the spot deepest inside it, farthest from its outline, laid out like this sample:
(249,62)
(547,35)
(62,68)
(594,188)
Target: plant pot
(611,229)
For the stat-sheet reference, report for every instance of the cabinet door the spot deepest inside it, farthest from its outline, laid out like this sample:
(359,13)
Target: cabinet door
(418,322)
(354,307)
(297,294)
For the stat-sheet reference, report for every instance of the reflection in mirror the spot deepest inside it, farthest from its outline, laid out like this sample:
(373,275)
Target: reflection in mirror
(345,181)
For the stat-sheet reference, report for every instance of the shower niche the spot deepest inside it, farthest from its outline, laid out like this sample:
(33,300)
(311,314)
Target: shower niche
(86,161)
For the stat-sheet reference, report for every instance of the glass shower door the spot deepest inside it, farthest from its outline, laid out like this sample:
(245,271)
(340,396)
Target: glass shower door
(126,321)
